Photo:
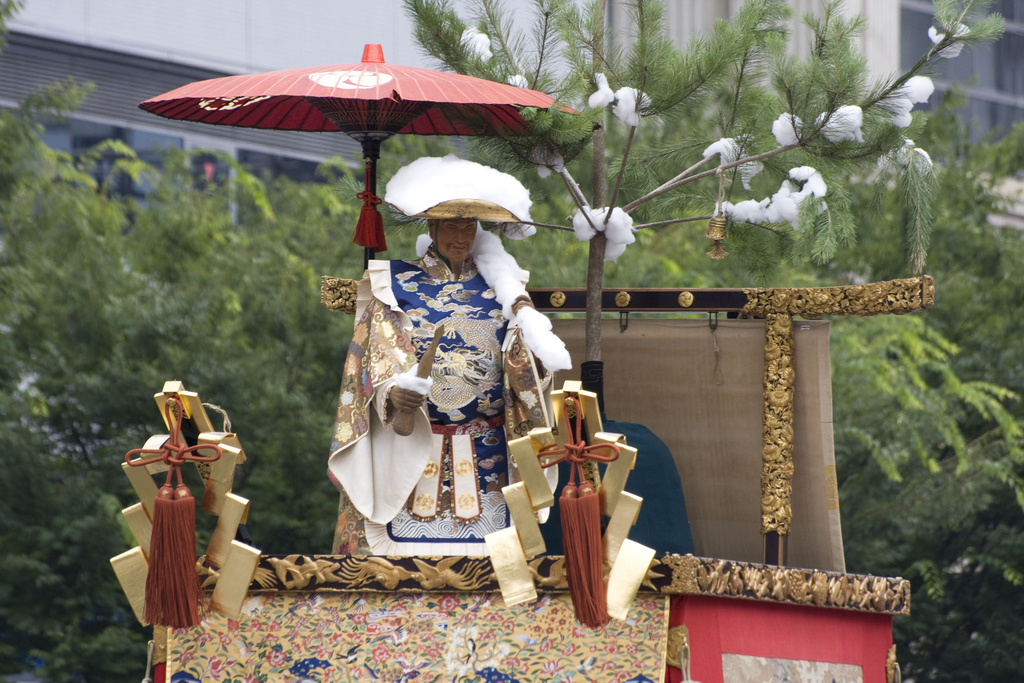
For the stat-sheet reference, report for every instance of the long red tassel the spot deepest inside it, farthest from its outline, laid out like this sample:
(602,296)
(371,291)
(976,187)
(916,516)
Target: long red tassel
(370,228)
(580,509)
(172,585)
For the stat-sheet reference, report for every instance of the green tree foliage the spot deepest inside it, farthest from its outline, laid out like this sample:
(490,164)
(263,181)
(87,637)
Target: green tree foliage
(59,515)
(102,299)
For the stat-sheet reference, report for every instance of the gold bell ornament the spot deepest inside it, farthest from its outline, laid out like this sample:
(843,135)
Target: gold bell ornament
(716,226)
(716,232)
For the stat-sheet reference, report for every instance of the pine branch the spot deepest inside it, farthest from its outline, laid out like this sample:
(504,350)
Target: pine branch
(678,182)
(984,30)
(625,155)
(542,43)
(736,92)
(587,46)
(622,170)
(497,25)
(550,226)
(667,186)
(672,221)
(715,85)
(576,193)
(438,30)
(916,189)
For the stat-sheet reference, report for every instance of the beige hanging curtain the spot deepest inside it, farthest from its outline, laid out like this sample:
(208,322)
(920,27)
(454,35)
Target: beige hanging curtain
(707,407)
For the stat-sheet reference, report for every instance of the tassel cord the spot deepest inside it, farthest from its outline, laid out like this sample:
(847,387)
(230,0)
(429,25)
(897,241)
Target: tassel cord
(370,226)
(576,450)
(174,451)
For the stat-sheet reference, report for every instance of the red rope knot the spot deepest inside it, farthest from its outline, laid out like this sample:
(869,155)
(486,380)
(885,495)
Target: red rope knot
(175,452)
(576,450)
(369,198)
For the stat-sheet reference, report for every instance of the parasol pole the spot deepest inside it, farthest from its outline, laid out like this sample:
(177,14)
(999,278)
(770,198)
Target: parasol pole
(371,154)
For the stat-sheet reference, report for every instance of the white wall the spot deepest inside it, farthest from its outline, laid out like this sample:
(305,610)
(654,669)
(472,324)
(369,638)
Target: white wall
(247,36)
(880,43)
(236,36)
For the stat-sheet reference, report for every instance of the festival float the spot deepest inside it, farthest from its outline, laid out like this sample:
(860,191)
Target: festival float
(722,401)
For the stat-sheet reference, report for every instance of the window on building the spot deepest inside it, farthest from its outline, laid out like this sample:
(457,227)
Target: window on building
(992,74)
(262,164)
(77,137)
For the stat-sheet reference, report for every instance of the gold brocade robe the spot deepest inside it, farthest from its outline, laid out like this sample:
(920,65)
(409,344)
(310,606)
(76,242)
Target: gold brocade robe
(381,475)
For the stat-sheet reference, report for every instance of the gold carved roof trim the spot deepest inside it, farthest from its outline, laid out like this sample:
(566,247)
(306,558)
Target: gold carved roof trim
(668,575)
(873,298)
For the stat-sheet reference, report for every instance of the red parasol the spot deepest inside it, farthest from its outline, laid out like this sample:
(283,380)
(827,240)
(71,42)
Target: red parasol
(370,101)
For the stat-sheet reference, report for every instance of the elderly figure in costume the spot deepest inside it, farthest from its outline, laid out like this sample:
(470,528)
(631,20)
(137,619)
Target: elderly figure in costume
(441,373)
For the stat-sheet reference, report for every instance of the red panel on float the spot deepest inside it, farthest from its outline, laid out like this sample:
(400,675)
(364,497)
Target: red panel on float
(760,629)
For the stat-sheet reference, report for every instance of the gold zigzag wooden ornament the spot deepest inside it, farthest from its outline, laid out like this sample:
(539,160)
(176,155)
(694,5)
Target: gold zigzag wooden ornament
(233,563)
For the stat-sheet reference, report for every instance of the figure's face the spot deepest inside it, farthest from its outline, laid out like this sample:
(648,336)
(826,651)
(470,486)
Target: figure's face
(453,238)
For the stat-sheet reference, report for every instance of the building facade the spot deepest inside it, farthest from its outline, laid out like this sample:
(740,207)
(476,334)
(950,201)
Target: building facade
(133,50)
(896,37)
(992,75)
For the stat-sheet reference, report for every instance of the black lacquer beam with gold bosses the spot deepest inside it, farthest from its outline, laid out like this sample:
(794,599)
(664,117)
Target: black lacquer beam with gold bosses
(642,300)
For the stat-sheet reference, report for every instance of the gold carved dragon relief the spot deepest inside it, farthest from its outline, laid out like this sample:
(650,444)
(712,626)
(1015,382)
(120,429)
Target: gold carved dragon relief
(668,575)
(777,307)
(777,425)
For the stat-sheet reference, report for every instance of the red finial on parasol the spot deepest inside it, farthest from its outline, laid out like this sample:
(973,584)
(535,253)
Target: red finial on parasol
(373,54)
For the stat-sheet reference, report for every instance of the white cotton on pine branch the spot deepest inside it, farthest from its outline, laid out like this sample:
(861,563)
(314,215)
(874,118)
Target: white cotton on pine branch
(547,160)
(952,50)
(844,124)
(728,151)
(783,206)
(916,90)
(902,157)
(685,177)
(786,129)
(616,225)
(603,96)
(477,44)
(626,107)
